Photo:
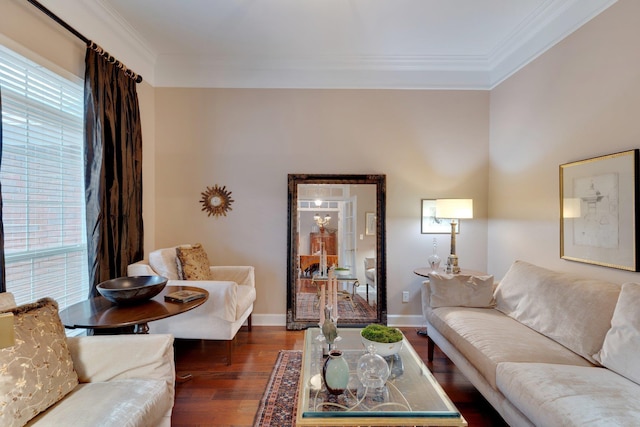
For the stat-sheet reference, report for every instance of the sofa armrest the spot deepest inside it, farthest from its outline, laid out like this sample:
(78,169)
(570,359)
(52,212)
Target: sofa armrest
(101,358)
(223,297)
(242,275)
(426,298)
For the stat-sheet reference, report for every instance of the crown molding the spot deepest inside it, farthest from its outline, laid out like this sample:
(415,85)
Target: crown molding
(98,22)
(318,73)
(551,23)
(547,28)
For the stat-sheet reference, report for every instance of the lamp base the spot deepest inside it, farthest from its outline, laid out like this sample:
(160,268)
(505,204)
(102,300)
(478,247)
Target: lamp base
(452,264)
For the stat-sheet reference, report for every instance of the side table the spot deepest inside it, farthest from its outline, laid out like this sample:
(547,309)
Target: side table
(345,295)
(100,313)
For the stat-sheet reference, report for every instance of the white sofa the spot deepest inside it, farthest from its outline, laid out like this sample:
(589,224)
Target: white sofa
(231,296)
(552,349)
(115,380)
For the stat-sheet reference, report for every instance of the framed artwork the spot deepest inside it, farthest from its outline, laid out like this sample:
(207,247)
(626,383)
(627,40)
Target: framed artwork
(430,224)
(370,222)
(598,215)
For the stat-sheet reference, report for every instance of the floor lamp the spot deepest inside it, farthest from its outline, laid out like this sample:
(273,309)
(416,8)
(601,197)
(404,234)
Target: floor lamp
(454,209)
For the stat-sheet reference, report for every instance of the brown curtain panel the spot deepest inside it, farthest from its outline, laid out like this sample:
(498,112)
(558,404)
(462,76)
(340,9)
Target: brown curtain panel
(3,277)
(113,169)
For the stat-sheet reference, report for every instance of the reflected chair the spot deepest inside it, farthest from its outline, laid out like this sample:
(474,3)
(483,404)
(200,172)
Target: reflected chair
(370,274)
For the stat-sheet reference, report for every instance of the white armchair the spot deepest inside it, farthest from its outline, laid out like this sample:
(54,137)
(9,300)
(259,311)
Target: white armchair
(231,296)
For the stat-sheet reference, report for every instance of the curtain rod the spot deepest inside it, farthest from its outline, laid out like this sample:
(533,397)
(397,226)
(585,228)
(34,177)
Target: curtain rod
(89,43)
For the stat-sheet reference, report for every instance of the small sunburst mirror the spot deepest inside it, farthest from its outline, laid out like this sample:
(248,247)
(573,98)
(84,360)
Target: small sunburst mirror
(216,201)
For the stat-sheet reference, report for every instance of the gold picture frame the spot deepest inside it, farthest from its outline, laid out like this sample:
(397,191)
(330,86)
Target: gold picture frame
(598,214)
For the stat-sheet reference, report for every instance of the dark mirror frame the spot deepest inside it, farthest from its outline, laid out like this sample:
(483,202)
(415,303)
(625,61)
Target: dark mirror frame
(292,243)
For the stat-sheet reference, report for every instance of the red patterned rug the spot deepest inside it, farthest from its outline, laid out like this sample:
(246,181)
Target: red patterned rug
(360,311)
(278,404)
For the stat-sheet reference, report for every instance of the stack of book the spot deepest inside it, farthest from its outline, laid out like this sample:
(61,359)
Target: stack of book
(184,296)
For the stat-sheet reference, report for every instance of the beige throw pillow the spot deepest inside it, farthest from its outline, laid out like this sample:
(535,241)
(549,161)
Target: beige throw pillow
(621,348)
(571,310)
(38,370)
(163,262)
(193,263)
(460,290)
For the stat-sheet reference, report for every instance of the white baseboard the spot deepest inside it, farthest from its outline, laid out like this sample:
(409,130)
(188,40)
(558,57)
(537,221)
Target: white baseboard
(268,319)
(413,320)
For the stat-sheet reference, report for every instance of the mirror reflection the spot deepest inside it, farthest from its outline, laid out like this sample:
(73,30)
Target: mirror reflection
(336,223)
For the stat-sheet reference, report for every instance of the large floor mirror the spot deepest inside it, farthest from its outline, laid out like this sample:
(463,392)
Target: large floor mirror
(336,221)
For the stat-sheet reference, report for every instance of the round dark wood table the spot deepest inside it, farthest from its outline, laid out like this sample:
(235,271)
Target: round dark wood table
(100,313)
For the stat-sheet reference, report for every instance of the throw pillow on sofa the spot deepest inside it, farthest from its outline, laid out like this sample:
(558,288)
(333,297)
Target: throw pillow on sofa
(460,290)
(560,306)
(163,262)
(621,347)
(38,370)
(193,263)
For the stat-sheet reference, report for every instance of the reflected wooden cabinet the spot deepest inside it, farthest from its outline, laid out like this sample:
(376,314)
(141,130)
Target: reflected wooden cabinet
(326,237)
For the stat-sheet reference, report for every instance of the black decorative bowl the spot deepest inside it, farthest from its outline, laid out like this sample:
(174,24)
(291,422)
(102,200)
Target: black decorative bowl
(132,290)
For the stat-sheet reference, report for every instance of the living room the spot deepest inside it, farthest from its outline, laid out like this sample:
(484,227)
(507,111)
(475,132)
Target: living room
(501,147)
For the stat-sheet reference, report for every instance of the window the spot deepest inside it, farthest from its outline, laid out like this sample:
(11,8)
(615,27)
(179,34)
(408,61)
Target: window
(42,182)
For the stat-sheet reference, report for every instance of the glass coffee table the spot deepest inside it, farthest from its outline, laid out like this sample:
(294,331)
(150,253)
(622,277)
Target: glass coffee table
(412,396)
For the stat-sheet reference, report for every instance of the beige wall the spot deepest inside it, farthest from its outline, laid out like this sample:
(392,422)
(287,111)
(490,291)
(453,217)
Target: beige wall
(580,99)
(428,143)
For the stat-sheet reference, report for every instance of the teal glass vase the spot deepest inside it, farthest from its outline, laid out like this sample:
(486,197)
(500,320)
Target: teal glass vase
(335,373)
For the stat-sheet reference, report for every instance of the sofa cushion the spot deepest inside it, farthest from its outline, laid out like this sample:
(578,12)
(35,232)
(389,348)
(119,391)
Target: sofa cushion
(574,311)
(164,263)
(621,349)
(460,290)
(38,370)
(487,337)
(560,395)
(126,403)
(193,263)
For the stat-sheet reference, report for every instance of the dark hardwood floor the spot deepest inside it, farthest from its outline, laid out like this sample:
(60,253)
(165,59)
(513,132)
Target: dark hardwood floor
(221,395)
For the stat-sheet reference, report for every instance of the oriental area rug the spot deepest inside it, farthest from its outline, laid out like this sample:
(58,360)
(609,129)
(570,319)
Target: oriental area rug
(307,308)
(278,404)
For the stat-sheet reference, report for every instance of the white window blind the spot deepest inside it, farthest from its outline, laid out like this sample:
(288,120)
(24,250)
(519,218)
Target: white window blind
(42,182)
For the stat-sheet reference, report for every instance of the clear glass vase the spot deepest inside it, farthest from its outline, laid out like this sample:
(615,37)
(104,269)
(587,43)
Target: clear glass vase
(434,260)
(373,372)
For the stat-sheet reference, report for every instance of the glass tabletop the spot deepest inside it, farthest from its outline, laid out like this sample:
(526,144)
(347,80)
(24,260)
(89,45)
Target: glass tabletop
(411,395)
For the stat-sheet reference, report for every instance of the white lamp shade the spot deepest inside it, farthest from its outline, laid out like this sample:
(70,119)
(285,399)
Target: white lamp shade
(454,208)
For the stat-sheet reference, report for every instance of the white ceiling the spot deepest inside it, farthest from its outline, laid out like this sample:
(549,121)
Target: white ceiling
(412,44)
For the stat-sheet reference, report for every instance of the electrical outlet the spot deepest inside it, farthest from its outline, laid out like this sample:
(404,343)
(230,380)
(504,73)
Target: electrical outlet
(405,296)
